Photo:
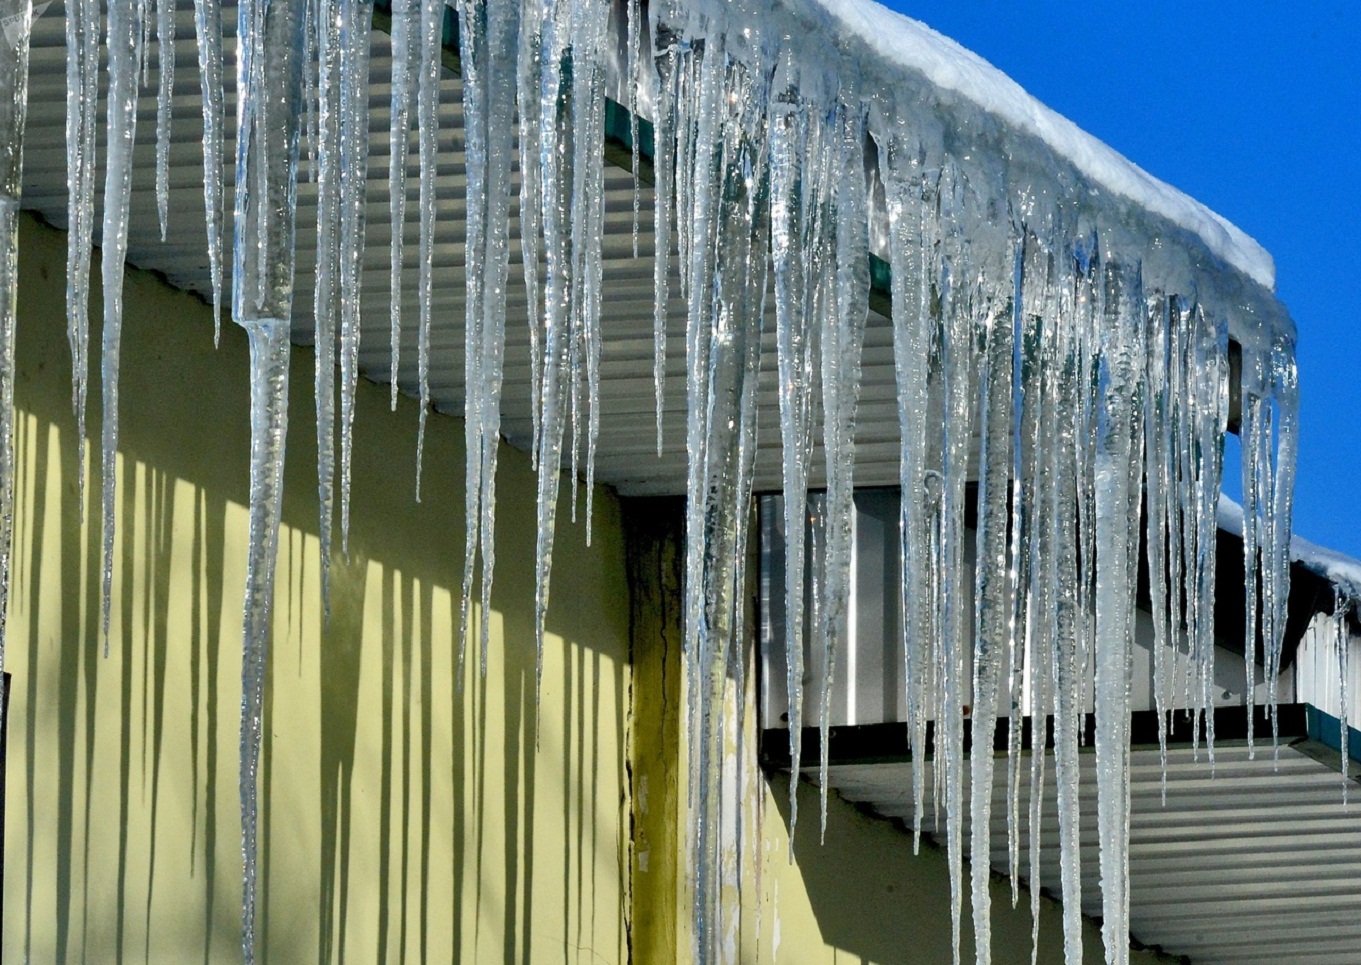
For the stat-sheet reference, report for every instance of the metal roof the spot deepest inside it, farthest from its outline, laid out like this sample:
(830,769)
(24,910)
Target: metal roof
(1251,861)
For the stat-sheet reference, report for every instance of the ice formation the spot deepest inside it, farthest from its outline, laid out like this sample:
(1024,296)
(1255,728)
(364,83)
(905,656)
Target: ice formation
(82,104)
(488,45)
(165,91)
(268,110)
(1063,326)
(405,33)
(208,28)
(326,293)
(124,39)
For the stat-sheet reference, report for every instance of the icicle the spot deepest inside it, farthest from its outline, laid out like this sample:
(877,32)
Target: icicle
(427,116)
(488,40)
(124,33)
(589,23)
(398,138)
(1252,425)
(1031,589)
(1180,533)
(269,351)
(791,182)
(82,106)
(269,81)
(664,167)
(700,175)
(208,26)
(730,184)
(326,296)
(992,605)
(842,337)
(1212,406)
(913,337)
(1277,498)
(14,44)
(1159,481)
(634,40)
(1037,549)
(475,62)
(1065,628)
(165,48)
(570,111)
(1342,641)
(1088,302)
(531,205)
(310,62)
(550,113)
(1120,388)
(959,303)
(1041,600)
(356,21)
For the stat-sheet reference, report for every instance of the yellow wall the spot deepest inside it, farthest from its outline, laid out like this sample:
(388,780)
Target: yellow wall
(403,819)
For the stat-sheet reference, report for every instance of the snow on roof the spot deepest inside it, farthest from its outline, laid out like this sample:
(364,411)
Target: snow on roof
(1343,571)
(898,41)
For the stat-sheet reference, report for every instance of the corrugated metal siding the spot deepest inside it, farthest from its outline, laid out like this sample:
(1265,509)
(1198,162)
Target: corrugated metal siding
(1255,861)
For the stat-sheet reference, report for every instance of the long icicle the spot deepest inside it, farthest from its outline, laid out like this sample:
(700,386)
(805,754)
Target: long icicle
(962,313)
(208,27)
(1120,381)
(1279,498)
(790,184)
(399,138)
(488,39)
(843,338)
(665,61)
(165,50)
(269,104)
(531,206)
(733,186)
(356,22)
(82,107)
(913,329)
(589,24)
(569,111)
(427,119)
(474,61)
(1066,626)
(992,613)
(550,114)
(124,33)
(326,295)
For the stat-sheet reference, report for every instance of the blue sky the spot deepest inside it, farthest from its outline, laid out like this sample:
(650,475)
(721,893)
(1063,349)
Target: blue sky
(1253,108)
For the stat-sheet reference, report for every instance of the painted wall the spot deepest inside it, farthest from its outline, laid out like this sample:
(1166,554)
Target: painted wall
(410,812)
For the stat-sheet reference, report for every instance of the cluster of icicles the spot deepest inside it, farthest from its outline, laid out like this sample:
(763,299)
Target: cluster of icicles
(1031,353)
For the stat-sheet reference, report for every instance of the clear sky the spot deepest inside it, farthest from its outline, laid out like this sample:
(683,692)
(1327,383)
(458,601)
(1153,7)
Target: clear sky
(1254,108)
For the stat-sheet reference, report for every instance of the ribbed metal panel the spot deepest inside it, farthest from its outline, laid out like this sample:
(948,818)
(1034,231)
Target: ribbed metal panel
(1249,861)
